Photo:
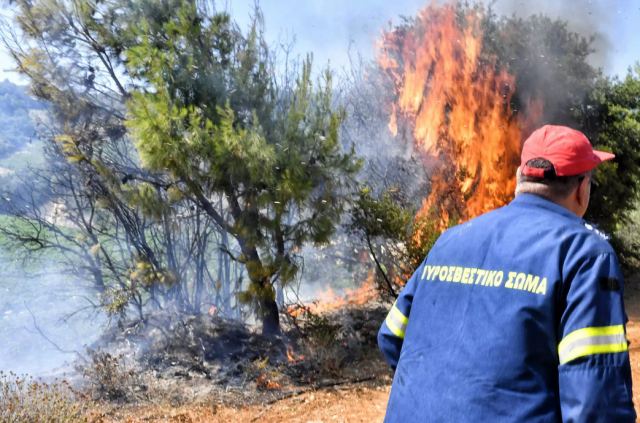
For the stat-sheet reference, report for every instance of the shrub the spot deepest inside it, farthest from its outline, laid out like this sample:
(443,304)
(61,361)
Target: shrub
(110,378)
(24,399)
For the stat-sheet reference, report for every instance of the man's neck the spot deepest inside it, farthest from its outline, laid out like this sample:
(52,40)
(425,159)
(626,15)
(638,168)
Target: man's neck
(540,191)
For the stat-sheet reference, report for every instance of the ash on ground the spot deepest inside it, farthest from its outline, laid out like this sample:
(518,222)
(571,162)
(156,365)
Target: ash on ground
(193,358)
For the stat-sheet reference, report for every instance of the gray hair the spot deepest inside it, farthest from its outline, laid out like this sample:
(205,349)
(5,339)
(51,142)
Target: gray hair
(550,186)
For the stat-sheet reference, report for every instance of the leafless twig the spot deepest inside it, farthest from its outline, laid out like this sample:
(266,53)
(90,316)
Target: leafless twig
(49,340)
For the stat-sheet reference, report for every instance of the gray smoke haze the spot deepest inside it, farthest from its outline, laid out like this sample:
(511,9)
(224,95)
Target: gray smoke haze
(44,320)
(595,18)
(336,31)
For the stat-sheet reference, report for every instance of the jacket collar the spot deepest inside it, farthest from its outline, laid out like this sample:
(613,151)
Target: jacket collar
(532,200)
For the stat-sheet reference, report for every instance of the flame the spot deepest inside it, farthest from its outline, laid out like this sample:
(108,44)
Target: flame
(328,300)
(456,103)
(265,383)
(292,357)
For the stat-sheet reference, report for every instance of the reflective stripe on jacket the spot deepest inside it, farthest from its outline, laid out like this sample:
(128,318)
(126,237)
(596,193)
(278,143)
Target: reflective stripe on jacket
(514,316)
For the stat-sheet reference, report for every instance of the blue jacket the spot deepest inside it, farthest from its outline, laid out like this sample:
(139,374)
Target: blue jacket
(514,316)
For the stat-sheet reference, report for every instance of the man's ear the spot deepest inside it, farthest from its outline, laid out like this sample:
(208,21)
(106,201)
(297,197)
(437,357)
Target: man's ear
(583,193)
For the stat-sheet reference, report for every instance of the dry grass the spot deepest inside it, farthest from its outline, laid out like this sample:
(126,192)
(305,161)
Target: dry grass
(324,345)
(23,399)
(109,378)
(336,345)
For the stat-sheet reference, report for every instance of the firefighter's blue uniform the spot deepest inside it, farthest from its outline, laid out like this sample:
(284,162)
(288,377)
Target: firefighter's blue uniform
(514,316)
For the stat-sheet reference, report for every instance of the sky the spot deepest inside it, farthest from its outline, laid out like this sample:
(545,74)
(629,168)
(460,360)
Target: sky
(337,30)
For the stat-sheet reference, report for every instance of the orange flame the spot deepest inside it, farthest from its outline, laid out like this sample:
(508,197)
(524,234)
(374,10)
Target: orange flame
(265,383)
(328,300)
(456,104)
(292,357)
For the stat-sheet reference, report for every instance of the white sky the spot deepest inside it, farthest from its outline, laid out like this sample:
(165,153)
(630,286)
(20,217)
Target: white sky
(333,29)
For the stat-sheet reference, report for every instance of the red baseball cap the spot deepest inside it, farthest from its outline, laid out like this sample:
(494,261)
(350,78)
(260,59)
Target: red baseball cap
(568,150)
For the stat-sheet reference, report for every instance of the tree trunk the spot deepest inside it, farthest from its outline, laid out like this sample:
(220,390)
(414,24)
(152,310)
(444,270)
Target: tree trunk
(264,293)
(280,295)
(270,316)
(267,306)
(237,288)
(226,276)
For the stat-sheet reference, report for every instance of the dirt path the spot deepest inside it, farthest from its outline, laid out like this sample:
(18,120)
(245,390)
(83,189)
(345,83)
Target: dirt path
(354,403)
(349,404)
(632,305)
(345,404)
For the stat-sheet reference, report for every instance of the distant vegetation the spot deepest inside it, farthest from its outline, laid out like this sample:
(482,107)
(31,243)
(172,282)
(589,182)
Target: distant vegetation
(17,128)
(20,146)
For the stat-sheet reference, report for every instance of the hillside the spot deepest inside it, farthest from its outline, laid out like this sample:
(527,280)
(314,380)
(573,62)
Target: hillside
(17,128)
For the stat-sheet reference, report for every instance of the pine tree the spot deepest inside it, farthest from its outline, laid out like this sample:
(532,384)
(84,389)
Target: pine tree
(218,131)
(209,112)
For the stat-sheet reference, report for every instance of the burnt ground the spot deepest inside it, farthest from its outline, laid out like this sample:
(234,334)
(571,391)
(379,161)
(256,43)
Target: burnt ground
(354,391)
(204,368)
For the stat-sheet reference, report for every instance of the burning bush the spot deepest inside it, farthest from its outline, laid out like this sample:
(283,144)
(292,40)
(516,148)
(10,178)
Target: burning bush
(455,101)
(459,88)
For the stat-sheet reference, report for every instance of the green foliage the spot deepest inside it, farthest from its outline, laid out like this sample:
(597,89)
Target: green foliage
(209,113)
(548,60)
(116,300)
(381,217)
(223,146)
(147,198)
(611,120)
(556,84)
(397,239)
(74,55)
(144,273)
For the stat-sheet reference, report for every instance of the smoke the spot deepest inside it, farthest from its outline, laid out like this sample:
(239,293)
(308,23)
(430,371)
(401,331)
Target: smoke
(37,313)
(336,31)
(45,320)
(597,18)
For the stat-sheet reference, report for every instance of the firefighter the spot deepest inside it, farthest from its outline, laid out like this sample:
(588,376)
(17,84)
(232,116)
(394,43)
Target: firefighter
(517,315)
